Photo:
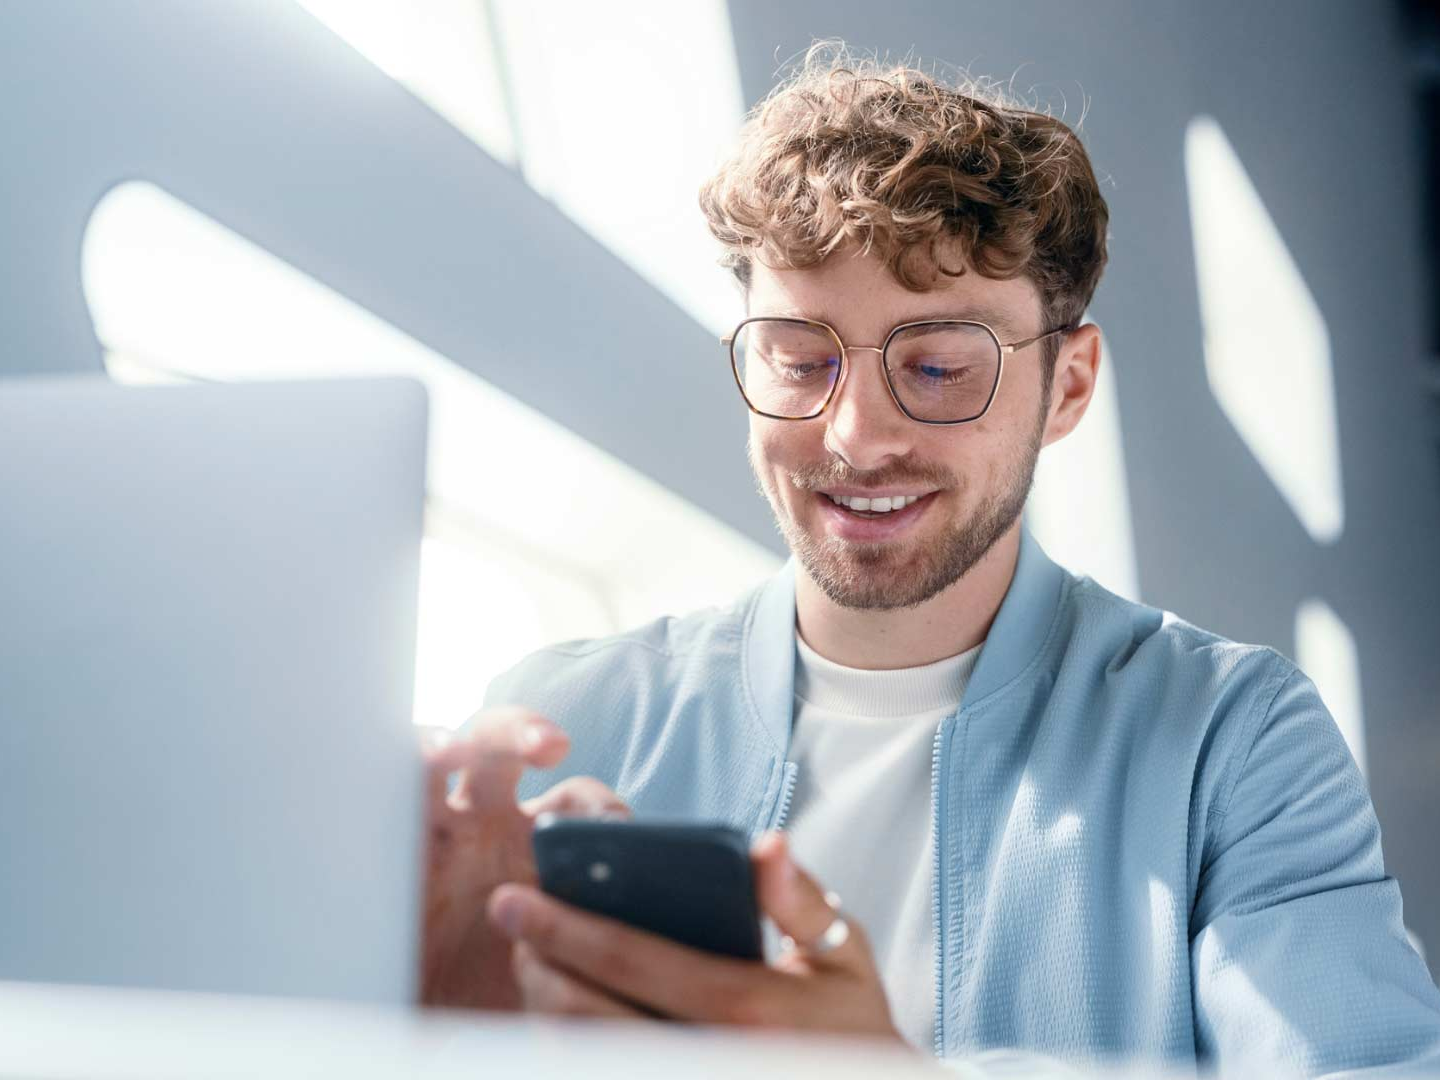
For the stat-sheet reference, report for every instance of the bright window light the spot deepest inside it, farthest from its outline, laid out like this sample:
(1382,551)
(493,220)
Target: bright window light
(1325,650)
(482,609)
(1079,509)
(173,292)
(441,50)
(621,146)
(1267,350)
(598,131)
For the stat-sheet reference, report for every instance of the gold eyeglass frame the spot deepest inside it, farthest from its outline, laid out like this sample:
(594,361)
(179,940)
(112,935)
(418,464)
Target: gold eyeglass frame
(1005,349)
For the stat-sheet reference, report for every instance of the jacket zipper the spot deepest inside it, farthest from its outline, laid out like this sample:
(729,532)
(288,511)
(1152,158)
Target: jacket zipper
(937,786)
(787,789)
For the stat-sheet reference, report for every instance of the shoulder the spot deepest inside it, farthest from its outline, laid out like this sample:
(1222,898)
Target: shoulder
(1201,699)
(1122,638)
(662,648)
(631,680)
(618,696)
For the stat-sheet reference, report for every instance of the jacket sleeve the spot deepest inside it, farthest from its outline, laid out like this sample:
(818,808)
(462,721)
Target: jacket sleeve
(1299,957)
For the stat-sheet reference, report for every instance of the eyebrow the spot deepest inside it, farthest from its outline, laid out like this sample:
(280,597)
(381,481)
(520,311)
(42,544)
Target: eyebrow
(996,320)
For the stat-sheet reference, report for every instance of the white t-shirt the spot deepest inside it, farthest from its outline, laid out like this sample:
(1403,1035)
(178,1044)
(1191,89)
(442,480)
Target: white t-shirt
(860,814)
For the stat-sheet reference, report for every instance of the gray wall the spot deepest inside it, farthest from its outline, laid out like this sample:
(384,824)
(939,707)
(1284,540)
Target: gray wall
(253,113)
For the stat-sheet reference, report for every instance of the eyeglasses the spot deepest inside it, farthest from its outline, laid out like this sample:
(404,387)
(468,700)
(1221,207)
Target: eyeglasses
(944,371)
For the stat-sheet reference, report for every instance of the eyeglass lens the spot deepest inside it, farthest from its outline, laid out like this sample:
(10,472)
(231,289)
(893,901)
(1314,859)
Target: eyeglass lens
(940,371)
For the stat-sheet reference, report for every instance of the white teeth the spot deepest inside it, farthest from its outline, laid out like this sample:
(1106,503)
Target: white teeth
(882,505)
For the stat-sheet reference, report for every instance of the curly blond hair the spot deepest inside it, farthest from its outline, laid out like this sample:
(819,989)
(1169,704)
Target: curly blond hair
(930,176)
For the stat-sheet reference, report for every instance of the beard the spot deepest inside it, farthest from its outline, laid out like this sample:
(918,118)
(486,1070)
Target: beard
(890,576)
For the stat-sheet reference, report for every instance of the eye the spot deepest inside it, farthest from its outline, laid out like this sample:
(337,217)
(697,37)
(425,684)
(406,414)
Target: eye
(804,366)
(937,371)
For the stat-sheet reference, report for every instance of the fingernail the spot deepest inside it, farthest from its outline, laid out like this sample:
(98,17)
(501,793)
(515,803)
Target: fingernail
(536,732)
(436,738)
(509,913)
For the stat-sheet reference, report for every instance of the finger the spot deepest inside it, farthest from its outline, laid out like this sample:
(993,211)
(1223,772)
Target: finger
(545,989)
(649,970)
(432,740)
(490,754)
(798,905)
(577,796)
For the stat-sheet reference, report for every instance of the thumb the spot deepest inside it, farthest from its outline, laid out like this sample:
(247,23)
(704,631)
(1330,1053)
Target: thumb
(797,904)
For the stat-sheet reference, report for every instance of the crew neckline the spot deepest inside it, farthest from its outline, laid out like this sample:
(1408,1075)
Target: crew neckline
(899,692)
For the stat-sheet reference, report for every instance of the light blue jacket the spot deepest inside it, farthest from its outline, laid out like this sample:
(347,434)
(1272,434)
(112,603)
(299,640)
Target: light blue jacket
(1150,842)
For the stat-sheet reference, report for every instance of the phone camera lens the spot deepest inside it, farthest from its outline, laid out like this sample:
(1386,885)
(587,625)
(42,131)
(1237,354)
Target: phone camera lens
(599,871)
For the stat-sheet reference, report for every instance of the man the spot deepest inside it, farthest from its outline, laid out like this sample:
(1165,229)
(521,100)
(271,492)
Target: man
(1060,821)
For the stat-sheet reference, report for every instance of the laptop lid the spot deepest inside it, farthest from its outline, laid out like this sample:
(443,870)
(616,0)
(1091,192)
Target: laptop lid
(208,775)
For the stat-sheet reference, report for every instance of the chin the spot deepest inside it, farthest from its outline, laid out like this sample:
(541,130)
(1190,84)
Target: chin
(894,576)
(875,577)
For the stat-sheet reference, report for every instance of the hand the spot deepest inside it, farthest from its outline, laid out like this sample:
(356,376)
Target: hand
(572,962)
(477,837)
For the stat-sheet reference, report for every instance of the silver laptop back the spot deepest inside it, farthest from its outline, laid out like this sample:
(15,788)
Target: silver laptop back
(208,775)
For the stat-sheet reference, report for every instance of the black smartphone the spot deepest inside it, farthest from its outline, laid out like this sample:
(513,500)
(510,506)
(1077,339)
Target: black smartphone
(691,883)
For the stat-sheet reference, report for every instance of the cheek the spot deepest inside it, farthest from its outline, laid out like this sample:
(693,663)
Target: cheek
(772,445)
(776,453)
(1017,412)
(988,458)
(969,458)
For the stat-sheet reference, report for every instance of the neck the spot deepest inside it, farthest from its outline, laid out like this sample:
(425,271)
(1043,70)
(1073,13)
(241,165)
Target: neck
(947,624)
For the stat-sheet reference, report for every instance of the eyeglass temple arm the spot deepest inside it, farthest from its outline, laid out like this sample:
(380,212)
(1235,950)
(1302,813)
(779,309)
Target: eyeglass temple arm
(1016,345)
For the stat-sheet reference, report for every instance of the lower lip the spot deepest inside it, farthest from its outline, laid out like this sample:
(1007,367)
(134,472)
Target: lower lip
(842,523)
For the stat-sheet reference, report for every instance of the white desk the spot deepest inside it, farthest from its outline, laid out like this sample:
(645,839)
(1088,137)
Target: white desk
(50,1031)
(73,1031)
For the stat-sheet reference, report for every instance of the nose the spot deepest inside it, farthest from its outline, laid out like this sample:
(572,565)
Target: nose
(863,425)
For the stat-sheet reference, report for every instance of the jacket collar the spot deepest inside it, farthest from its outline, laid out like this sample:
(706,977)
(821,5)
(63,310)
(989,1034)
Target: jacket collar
(1020,629)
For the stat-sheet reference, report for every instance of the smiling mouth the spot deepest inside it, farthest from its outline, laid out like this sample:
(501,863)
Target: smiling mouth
(879,522)
(880,507)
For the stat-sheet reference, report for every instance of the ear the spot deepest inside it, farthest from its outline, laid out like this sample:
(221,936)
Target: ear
(1076,368)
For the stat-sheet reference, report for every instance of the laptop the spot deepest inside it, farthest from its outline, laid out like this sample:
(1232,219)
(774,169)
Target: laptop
(209,779)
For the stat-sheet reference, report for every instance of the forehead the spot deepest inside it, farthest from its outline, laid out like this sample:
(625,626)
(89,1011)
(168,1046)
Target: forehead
(860,298)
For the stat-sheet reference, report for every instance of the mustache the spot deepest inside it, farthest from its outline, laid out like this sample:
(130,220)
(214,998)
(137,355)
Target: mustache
(838,474)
